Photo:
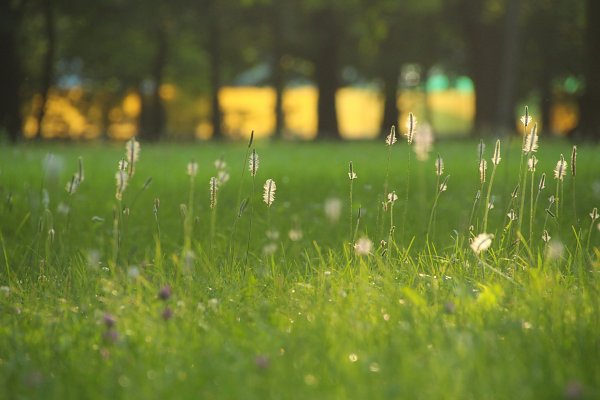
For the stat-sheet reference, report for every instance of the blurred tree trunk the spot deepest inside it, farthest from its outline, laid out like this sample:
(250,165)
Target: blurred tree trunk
(153,115)
(277,68)
(391,114)
(47,64)
(487,46)
(11,74)
(214,55)
(326,72)
(506,97)
(546,100)
(589,122)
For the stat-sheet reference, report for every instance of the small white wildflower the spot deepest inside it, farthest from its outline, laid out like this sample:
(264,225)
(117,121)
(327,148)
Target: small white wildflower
(272,234)
(295,234)
(269,249)
(62,208)
(192,168)
(555,249)
(333,209)
(133,272)
(423,142)
(391,138)
(363,246)
(269,192)
(220,164)
(560,171)
(481,242)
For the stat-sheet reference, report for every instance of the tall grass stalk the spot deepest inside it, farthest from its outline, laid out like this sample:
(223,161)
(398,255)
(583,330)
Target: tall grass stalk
(241,203)
(253,163)
(192,170)
(213,188)
(529,146)
(411,126)
(532,165)
(392,197)
(559,173)
(439,188)
(352,177)
(390,140)
(573,175)
(495,161)
(594,217)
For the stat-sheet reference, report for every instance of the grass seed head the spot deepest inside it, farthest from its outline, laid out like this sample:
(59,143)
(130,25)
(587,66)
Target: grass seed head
(545,236)
(594,214)
(574,161)
(192,168)
(526,119)
(439,166)
(392,197)
(80,172)
(391,138)
(496,157)
(122,179)
(481,149)
(351,173)
(132,154)
(561,168)
(269,192)
(531,163)
(253,163)
(542,184)
(73,184)
(411,126)
(531,141)
(482,170)
(214,188)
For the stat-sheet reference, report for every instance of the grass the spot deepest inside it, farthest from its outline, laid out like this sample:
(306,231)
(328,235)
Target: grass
(300,319)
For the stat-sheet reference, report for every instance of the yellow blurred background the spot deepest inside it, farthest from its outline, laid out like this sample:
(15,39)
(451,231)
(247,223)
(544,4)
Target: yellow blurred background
(73,114)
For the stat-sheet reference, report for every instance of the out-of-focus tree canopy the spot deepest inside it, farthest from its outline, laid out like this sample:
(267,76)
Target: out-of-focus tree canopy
(163,69)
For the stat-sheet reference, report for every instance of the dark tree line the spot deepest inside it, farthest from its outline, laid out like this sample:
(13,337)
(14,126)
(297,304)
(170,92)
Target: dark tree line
(509,48)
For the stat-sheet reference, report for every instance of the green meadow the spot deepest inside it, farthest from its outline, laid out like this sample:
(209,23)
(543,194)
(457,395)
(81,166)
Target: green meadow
(334,290)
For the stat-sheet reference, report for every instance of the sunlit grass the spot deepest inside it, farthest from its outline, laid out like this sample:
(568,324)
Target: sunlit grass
(307,317)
